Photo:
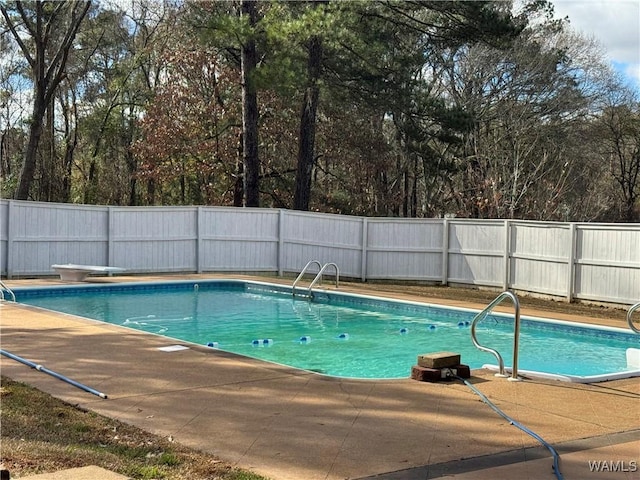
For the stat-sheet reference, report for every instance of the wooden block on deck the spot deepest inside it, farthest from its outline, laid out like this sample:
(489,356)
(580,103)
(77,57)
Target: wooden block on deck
(463,371)
(423,374)
(439,360)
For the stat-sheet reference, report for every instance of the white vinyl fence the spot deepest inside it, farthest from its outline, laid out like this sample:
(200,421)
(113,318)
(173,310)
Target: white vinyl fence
(599,262)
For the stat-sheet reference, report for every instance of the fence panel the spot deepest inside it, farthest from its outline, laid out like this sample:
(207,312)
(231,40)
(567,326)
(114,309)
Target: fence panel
(476,252)
(599,262)
(540,256)
(154,239)
(323,237)
(404,249)
(239,239)
(608,263)
(43,234)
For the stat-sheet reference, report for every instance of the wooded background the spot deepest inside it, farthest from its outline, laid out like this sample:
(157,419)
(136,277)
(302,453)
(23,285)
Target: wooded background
(377,108)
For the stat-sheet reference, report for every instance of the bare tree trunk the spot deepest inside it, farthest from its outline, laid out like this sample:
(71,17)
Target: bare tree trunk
(238,187)
(48,158)
(5,163)
(29,165)
(91,182)
(306,145)
(70,114)
(151,191)
(251,160)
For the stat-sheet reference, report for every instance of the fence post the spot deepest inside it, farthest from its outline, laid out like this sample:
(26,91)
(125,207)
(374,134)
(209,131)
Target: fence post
(10,239)
(281,214)
(445,251)
(506,279)
(199,231)
(571,267)
(365,240)
(110,237)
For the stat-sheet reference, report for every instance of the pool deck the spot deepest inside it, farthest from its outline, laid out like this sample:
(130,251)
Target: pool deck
(288,424)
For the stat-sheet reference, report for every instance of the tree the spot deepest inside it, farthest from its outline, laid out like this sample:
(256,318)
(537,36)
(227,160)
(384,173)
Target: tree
(407,84)
(51,28)
(529,105)
(619,127)
(233,29)
(13,92)
(188,145)
(375,55)
(307,136)
(249,61)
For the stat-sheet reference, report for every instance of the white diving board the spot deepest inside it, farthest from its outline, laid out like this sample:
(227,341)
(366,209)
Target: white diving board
(77,273)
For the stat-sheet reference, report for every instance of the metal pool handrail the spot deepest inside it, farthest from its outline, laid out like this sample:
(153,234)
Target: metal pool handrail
(629,315)
(4,288)
(516,333)
(319,276)
(312,262)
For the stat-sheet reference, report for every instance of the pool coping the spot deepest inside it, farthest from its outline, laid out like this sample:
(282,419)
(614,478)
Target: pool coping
(314,427)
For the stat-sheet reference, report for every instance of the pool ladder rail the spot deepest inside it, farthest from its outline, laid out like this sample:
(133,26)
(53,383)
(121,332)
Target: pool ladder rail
(516,334)
(632,309)
(3,289)
(318,277)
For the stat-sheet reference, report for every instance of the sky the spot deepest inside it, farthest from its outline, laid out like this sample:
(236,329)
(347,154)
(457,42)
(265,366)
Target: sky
(615,24)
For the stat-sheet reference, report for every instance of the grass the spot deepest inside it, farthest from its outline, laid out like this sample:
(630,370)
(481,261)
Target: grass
(42,434)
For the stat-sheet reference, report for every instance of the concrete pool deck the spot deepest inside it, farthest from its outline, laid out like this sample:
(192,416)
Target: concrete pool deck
(289,424)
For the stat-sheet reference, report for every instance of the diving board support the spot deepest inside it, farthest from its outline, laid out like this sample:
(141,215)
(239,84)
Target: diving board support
(77,273)
(516,333)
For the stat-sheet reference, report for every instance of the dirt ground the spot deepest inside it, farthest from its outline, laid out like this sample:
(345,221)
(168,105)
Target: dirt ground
(485,296)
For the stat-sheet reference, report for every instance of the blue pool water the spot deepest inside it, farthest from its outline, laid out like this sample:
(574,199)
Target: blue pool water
(335,334)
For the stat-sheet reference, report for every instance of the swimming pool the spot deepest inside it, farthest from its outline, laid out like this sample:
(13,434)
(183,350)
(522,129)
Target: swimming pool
(338,334)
